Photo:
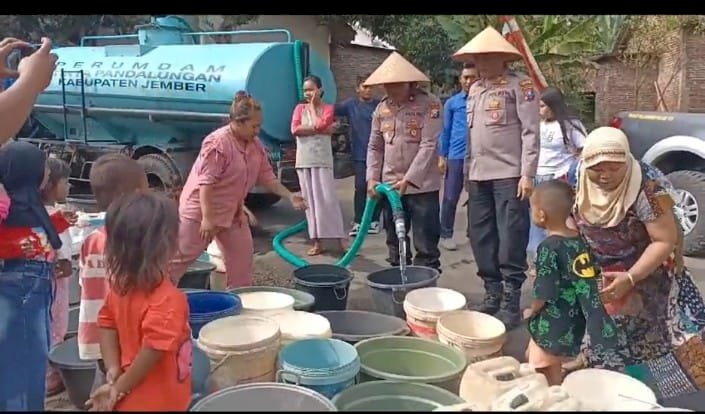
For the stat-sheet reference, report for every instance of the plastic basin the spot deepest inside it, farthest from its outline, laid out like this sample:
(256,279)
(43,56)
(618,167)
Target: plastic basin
(394,396)
(264,396)
(353,326)
(303,301)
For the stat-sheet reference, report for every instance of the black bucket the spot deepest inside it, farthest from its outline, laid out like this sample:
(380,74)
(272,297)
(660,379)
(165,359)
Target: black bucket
(73,323)
(388,291)
(329,284)
(77,375)
(353,326)
(197,276)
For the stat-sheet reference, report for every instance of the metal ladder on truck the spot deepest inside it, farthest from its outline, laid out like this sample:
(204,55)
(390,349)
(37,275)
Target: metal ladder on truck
(69,108)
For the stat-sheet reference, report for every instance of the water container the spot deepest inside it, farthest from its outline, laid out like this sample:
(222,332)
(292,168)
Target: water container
(527,396)
(327,366)
(77,375)
(403,358)
(424,306)
(329,284)
(485,381)
(296,325)
(266,303)
(261,397)
(353,326)
(197,276)
(72,329)
(303,301)
(242,349)
(604,390)
(207,306)
(480,336)
(394,396)
(389,291)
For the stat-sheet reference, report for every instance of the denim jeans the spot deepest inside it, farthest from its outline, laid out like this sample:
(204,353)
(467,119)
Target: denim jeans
(536,234)
(452,189)
(25,303)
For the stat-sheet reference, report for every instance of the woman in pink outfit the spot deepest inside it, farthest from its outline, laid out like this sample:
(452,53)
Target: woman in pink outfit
(231,161)
(312,124)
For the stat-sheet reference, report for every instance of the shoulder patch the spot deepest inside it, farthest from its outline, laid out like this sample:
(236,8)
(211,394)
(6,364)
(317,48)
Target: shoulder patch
(527,89)
(526,83)
(435,108)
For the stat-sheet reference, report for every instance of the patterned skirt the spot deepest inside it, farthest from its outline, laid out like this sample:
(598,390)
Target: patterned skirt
(672,363)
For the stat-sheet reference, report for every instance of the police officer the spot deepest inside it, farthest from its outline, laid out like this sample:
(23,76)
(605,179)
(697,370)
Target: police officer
(503,119)
(402,152)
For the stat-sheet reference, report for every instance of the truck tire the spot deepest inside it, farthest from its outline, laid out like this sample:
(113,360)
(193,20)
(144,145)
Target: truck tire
(162,174)
(690,188)
(255,201)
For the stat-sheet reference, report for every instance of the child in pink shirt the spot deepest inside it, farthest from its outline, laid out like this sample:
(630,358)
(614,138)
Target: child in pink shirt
(231,161)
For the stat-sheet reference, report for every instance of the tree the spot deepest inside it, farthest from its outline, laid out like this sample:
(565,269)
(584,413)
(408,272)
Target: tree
(67,29)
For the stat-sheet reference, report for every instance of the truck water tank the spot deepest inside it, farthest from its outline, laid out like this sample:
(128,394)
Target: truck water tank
(174,93)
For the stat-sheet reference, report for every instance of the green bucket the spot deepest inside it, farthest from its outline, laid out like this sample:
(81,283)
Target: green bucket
(394,396)
(408,359)
(303,301)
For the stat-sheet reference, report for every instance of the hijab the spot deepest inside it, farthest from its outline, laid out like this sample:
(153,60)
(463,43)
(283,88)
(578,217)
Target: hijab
(22,168)
(597,206)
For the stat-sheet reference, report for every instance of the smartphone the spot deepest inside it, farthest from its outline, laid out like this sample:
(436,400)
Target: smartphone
(13,59)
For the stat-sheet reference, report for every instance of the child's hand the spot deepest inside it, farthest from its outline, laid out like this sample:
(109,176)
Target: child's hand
(63,269)
(251,218)
(103,399)
(528,313)
(70,216)
(27,247)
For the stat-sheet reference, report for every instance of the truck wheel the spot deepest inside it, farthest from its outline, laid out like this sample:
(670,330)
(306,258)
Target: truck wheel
(162,174)
(690,190)
(261,200)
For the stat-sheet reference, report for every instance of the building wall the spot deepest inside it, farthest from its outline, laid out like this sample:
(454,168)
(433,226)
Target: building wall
(350,61)
(694,77)
(621,87)
(671,73)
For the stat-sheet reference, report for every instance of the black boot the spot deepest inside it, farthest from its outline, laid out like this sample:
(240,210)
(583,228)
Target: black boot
(491,302)
(509,312)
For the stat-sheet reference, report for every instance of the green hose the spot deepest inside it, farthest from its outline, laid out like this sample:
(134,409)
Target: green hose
(298,70)
(382,189)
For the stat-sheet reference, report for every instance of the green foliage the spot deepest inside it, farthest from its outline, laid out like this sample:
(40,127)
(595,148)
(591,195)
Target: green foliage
(66,29)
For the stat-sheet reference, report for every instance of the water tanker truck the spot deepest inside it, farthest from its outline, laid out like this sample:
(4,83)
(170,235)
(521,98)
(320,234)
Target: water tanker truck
(156,94)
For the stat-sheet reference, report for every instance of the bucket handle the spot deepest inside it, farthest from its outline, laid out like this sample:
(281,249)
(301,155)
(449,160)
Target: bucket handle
(394,296)
(279,376)
(335,292)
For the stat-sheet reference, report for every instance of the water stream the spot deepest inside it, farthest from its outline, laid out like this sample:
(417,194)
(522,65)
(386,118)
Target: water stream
(400,229)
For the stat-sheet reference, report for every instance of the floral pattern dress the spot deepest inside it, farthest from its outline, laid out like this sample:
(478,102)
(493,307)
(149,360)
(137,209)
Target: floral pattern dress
(663,316)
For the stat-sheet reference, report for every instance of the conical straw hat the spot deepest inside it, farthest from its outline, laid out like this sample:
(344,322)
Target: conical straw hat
(395,69)
(487,41)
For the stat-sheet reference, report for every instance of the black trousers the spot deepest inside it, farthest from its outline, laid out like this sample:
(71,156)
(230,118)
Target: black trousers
(498,231)
(423,221)
(360,197)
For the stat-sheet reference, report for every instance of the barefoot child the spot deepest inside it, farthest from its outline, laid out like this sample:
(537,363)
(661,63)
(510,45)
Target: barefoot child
(566,295)
(145,337)
(56,191)
(112,176)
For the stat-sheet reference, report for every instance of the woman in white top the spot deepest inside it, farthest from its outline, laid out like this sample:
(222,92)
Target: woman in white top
(561,140)
(312,124)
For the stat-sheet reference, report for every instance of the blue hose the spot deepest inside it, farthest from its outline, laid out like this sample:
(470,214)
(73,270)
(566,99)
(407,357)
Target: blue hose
(382,189)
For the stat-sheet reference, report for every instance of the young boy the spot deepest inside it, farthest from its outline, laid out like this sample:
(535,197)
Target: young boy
(566,292)
(359,111)
(112,176)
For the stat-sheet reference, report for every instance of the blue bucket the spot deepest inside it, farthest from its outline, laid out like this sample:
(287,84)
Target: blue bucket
(327,366)
(207,306)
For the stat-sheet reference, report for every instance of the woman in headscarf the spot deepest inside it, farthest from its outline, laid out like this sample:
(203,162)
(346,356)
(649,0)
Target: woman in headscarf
(25,284)
(624,211)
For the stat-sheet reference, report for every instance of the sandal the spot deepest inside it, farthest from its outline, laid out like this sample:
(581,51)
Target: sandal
(315,251)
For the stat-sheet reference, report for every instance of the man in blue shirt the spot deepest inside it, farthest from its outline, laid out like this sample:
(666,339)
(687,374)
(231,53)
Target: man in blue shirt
(452,144)
(359,110)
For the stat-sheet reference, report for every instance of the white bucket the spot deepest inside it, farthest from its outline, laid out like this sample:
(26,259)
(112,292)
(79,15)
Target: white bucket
(242,349)
(424,306)
(295,325)
(216,257)
(266,303)
(478,335)
(603,390)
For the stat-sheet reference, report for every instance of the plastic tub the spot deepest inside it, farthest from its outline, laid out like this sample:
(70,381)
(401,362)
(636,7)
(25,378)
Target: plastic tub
(303,301)
(328,284)
(389,292)
(207,306)
(265,396)
(394,396)
(266,303)
(353,326)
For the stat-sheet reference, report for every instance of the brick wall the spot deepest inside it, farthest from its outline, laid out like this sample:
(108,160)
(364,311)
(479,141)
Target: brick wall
(617,85)
(694,79)
(670,72)
(350,61)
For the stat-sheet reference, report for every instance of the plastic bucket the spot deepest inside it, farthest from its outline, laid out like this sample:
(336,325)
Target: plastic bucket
(264,397)
(200,370)
(408,359)
(242,349)
(296,325)
(77,375)
(394,396)
(265,303)
(327,366)
(353,326)
(207,306)
(72,329)
(601,389)
(197,275)
(388,291)
(480,336)
(328,284)
(303,301)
